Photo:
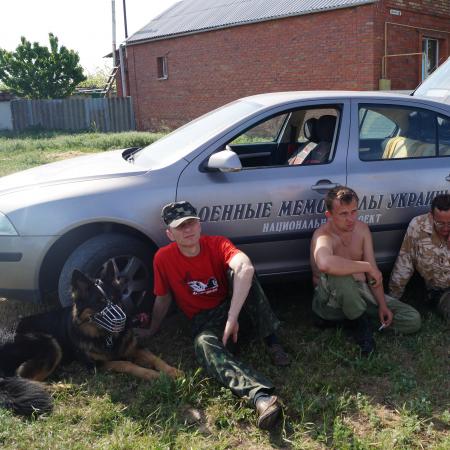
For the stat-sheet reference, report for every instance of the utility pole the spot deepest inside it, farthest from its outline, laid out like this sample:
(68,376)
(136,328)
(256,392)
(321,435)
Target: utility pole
(113,8)
(125,18)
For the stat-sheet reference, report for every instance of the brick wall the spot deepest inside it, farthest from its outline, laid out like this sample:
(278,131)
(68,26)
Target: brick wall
(330,50)
(340,49)
(424,18)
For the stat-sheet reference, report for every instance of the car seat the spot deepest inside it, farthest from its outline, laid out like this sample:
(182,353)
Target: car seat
(419,139)
(325,133)
(302,152)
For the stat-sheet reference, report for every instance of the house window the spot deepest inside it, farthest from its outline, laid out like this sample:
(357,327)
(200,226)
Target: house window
(430,48)
(161,63)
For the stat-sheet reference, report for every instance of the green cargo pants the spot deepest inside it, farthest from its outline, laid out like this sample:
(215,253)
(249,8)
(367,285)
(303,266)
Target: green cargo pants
(440,299)
(208,327)
(342,297)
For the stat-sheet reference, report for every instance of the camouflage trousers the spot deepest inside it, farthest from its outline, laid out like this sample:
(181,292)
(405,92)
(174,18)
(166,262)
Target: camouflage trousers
(342,297)
(220,363)
(440,299)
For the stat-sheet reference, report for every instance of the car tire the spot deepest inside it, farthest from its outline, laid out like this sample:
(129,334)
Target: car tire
(132,260)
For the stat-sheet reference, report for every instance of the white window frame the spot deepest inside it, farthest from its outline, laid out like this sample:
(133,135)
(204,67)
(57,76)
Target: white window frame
(425,40)
(162,68)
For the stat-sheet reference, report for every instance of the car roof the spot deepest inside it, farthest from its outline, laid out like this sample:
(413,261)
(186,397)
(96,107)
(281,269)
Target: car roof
(274,98)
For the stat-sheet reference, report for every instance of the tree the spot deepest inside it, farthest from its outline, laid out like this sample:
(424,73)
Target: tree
(96,80)
(37,72)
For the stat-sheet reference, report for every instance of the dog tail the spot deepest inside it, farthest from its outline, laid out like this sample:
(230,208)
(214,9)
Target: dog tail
(24,397)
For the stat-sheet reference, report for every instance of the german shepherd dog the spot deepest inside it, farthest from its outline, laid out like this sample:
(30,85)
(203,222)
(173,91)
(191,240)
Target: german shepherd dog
(95,330)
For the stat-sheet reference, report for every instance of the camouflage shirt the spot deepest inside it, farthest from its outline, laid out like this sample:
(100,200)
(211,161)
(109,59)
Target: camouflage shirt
(424,251)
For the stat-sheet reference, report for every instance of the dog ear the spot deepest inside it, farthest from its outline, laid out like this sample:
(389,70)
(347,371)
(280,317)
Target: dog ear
(109,273)
(80,282)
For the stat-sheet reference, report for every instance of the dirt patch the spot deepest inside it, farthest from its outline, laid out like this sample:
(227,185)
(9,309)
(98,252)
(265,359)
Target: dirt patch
(375,388)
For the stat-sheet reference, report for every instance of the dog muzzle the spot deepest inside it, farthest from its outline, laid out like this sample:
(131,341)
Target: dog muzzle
(112,318)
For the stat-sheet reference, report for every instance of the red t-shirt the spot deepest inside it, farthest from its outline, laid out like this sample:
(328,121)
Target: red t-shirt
(199,282)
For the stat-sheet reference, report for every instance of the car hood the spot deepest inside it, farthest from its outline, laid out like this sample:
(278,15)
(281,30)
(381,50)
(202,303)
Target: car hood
(96,166)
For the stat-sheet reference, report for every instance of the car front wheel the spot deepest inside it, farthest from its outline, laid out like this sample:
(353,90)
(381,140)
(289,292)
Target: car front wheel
(132,261)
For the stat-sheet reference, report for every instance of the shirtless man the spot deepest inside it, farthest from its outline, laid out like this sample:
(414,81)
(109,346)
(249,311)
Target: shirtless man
(348,283)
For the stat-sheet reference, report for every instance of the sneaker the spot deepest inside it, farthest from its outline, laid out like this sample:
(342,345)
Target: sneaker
(278,356)
(268,409)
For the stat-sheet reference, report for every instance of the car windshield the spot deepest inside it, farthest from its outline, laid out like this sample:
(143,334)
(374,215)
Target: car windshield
(184,140)
(437,85)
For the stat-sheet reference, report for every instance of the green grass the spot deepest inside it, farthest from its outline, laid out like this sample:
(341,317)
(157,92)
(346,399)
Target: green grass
(399,398)
(19,152)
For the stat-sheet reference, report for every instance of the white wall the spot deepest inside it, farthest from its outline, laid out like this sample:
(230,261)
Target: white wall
(5,116)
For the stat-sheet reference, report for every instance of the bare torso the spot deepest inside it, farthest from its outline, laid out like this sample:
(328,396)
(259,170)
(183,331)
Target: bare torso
(349,245)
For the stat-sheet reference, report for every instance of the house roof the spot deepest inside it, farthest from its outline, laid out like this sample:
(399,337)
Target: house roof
(194,16)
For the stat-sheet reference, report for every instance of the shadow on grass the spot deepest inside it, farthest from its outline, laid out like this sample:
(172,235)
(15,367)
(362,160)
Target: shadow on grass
(396,398)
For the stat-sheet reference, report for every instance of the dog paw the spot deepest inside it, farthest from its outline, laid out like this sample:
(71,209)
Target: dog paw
(173,372)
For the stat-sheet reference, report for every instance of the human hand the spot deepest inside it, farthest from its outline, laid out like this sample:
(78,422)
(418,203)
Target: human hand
(375,277)
(142,333)
(231,329)
(385,315)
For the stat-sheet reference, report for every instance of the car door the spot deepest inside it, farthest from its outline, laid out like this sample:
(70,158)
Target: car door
(399,159)
(270,211)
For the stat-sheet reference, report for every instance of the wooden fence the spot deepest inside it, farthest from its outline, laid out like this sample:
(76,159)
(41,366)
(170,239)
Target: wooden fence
(97,114)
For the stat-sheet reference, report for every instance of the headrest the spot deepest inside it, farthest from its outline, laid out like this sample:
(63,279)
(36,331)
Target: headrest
(422,126)
(310,130)
(444,129)
(325,128)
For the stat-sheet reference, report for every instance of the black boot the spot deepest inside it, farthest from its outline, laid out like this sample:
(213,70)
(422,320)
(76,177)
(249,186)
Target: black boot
(363,335)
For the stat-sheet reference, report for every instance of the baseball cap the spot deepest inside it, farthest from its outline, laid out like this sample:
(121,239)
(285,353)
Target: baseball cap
(175,213)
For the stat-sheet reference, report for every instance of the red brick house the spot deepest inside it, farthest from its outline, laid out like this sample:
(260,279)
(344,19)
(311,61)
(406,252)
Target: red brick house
(200,54)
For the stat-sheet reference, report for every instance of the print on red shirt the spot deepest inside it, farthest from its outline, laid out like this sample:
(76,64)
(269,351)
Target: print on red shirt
(196,283)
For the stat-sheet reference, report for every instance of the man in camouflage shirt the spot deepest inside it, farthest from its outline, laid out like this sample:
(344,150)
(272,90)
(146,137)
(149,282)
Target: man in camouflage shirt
(426,248)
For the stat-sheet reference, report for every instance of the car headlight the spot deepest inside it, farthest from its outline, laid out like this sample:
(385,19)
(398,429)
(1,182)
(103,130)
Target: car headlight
(6,227)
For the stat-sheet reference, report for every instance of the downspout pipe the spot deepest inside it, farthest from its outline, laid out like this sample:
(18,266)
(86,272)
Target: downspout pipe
(122,69)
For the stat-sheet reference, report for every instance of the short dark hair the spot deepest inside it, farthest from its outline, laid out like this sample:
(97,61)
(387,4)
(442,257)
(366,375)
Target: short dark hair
(441,202)
(342,193)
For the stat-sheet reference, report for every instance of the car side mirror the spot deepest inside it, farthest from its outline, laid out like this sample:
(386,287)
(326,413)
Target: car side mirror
(225,160)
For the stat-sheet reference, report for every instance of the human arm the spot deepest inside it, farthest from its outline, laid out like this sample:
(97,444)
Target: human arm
(159,312)
(331,264)
(403,268)
(384,313)
(242,281)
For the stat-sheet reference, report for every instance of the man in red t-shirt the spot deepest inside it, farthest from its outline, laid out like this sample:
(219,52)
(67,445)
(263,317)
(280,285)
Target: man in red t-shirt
(194,270)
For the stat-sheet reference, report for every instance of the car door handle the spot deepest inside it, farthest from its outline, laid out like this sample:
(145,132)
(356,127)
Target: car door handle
(327,185)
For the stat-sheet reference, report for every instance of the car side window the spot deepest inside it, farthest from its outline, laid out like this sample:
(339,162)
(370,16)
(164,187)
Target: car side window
(267,131)
(297,137)
(444,136)
(374,125)
(391,132)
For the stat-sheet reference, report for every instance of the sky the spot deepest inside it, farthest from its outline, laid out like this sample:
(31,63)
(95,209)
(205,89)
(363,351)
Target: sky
(81,25)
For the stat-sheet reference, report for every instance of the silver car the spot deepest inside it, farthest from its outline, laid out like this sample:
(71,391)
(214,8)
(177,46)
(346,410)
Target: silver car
(257,169)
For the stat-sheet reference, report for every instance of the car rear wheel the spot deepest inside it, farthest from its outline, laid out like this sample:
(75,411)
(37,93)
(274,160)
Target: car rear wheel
(132,261)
